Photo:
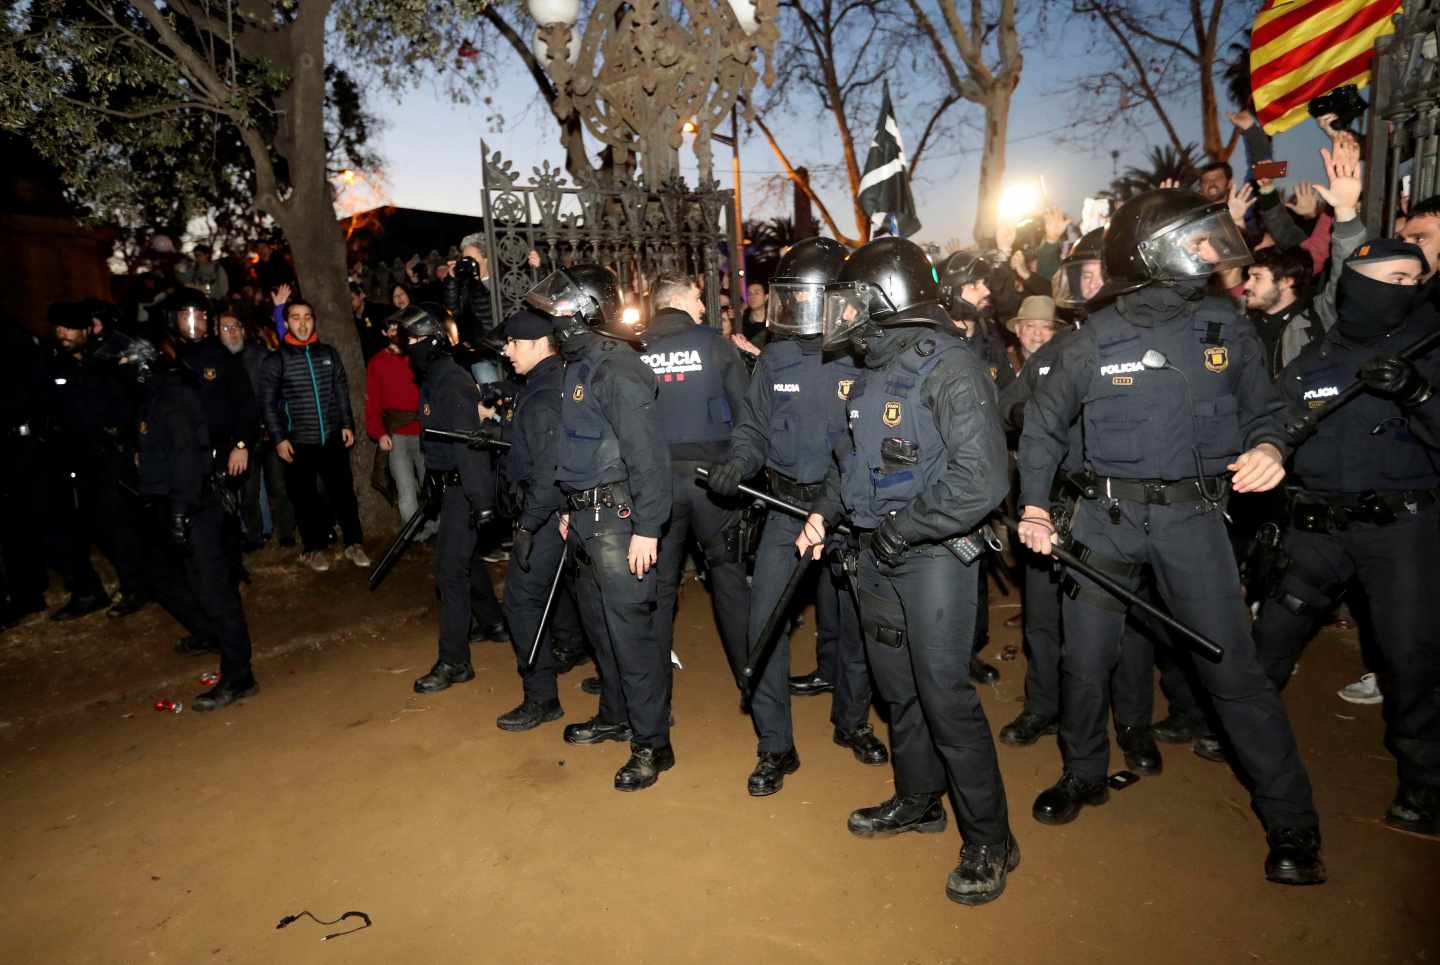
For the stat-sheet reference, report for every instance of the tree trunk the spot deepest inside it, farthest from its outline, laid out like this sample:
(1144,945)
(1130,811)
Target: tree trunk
(307,217)
(992,162)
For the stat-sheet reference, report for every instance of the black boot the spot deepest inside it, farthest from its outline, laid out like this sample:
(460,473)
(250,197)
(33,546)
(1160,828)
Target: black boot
(863,744)
(1026,729)
(225,693)
(1294,857)
(530,715)
(982,672)
(79,606)
(980,876)
(596,731)
(1415,809)
(810,684)
(903,812)
(495,632)
(770,770)
(189,646)
(1180,728)
(591,685)
(1061,804)
(644,767)
(1209,748)
(568,660)
(127,604)
(1139,748)
(442,675)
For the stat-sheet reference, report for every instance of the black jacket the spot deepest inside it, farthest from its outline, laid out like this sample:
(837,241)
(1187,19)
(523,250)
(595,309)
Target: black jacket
(733,375)
(231,409)
(304,394)
(90,410)
(174,440)
(448,400)
(532,427)
(961,399)
(469,302)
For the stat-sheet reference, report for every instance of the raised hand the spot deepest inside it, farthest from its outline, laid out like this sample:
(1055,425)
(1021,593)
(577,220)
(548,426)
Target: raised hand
(1240,202)
(1342,168)
(1056,222)
(1305,203)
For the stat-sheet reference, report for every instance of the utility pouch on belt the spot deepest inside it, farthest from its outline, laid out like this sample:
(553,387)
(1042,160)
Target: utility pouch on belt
(970,547)
(898,454)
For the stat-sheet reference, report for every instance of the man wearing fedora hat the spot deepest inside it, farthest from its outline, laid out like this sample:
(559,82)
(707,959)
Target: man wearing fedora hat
(1034,324)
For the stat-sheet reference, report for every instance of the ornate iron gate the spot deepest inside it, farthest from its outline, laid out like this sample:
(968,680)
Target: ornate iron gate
(634,229)
(1404,125)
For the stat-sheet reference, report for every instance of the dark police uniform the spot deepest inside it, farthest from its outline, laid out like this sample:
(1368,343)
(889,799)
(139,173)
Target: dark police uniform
(793,418)
(926,453)
(532,427)
(614,469)
(190,574)
(23,390)
(701,381)
(448,400)
(1142,427)
(1132,687)
(1365,507)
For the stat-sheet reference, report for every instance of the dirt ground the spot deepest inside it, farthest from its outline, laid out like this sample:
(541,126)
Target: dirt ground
(136,836)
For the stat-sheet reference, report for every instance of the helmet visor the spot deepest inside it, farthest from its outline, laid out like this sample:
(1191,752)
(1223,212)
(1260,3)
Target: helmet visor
(557,295)
(794,308)
(1196,248)
(1076,282)
(848,307)
(192,323)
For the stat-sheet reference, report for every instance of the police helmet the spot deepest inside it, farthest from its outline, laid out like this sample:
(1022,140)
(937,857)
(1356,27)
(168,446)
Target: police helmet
(1166,237)
(797,290)
(583,298)
(416,322)
(188,313)
(889,281)
(1082,271)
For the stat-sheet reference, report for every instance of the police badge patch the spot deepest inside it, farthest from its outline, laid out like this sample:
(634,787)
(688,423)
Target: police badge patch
(579,394)
(425,408)
(1217,358)
(843,387)
(890,415)
(210,374)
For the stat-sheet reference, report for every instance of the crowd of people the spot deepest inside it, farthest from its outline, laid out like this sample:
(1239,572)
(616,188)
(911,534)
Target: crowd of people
(1164,402)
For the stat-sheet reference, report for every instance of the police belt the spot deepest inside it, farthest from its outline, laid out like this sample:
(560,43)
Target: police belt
(1151,492)
(608,495)
(1312,512)
(788,489)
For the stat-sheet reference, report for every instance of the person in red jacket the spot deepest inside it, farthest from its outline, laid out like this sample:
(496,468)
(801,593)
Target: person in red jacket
(392,417)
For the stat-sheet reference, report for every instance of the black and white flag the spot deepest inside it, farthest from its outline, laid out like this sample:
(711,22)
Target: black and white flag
(885,186)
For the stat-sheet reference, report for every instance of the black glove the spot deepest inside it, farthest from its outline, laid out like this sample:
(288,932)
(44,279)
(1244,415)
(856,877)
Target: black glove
(724,479)
(480,518)
(524,546)
(432,491)
(887,544)
(179,531)
(1395,378)
(488,433)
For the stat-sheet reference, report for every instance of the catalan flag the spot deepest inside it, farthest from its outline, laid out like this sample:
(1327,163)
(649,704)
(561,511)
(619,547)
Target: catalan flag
(1301,49)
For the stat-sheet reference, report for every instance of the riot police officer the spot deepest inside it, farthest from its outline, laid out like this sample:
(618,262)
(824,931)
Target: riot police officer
(1172,392)
(614,469)
(189,570)
(793,417)
(965,288)
(532,427)
(925,464)
(701,381)
(458,478)
(1080,275)
(1364,507)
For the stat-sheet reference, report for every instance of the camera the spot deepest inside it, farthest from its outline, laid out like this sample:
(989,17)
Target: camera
(467,269)
(1344,102)
(496,394)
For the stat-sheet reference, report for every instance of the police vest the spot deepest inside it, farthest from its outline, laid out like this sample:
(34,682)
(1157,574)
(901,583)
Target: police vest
(808,399)
(439,456)
(692,404)
(589,453)
(890,425)
(1367,443)
(1144,423)
(519,463)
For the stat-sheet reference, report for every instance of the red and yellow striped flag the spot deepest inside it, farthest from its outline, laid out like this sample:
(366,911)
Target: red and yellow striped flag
(1301,49)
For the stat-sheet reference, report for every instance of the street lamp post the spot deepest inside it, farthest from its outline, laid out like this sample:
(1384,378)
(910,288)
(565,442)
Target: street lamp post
(639,69)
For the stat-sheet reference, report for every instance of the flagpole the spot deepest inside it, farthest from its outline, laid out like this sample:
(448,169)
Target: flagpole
(737,277)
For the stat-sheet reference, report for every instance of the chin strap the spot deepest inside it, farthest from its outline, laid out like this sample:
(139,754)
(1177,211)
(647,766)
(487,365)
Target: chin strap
(290,919)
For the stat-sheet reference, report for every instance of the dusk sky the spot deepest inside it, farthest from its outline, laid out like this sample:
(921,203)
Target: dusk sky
(431,147)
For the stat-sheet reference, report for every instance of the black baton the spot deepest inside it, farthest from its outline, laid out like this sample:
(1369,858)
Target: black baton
(549,602)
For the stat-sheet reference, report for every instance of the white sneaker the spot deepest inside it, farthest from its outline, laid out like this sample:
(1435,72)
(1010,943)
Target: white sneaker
(1366,690)
(355,553)
(316,560)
